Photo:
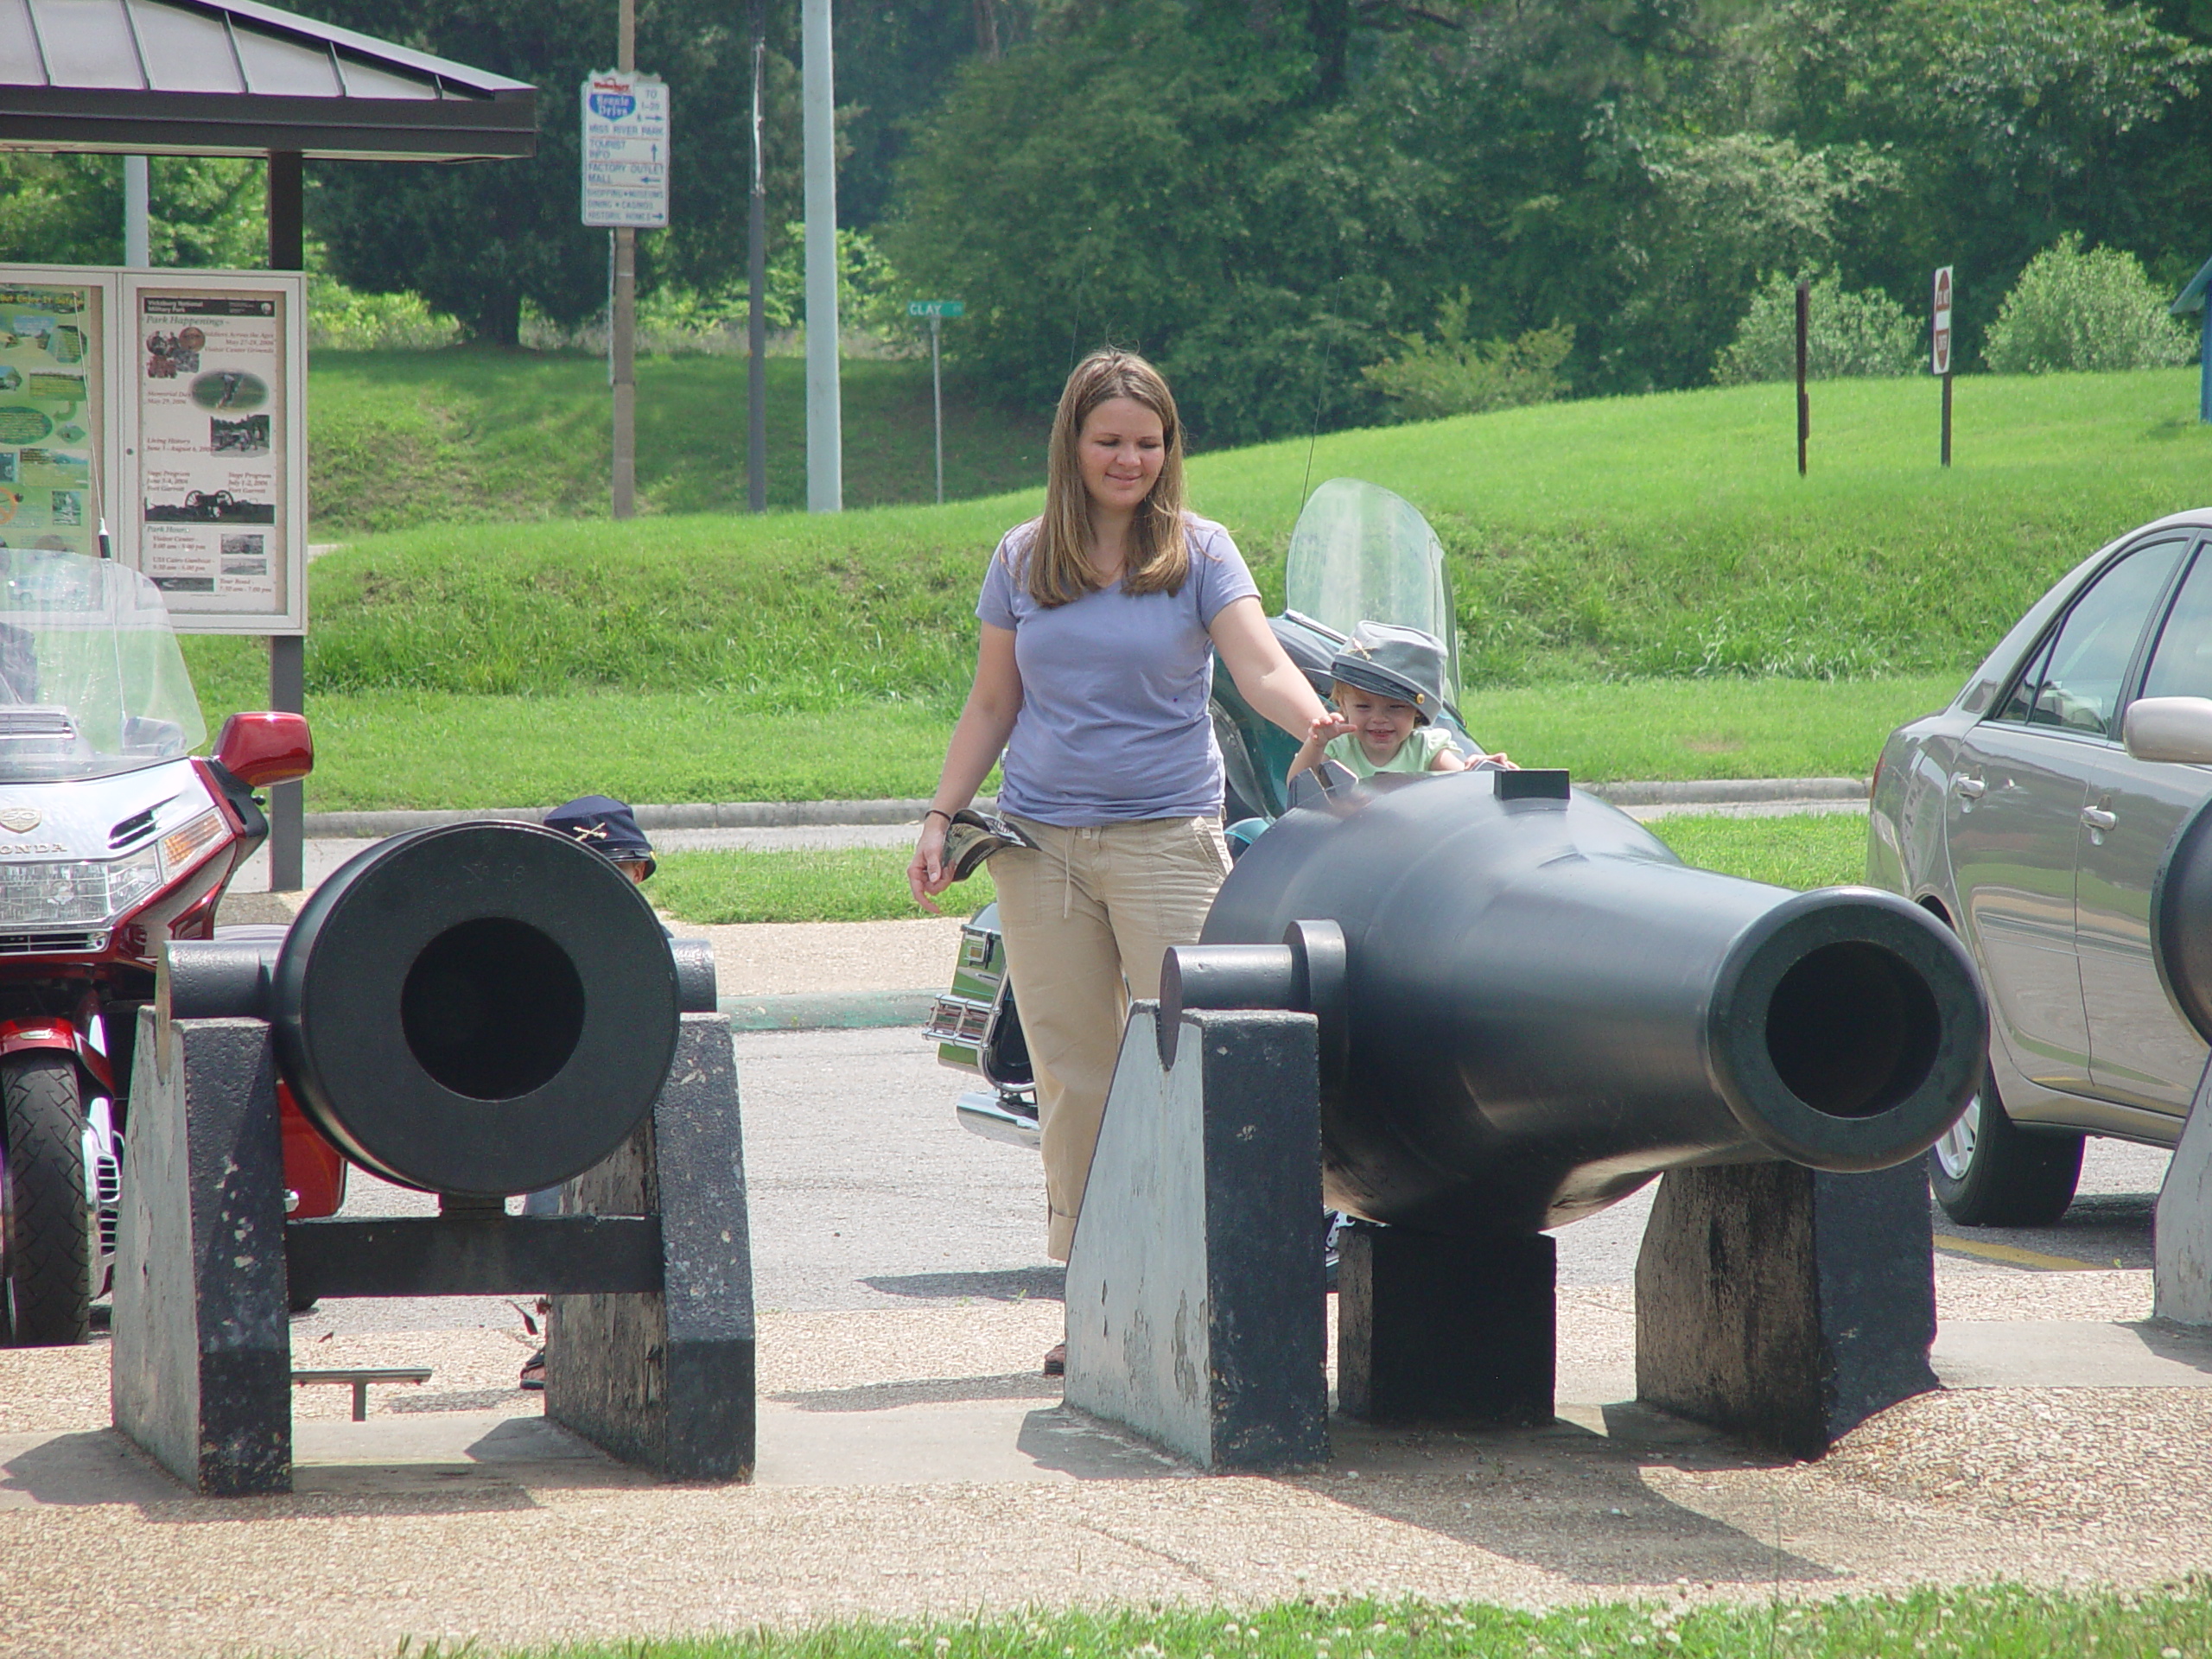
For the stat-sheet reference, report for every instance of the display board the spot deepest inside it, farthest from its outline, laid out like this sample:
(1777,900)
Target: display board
(55,447)
(215,445)
(171,407)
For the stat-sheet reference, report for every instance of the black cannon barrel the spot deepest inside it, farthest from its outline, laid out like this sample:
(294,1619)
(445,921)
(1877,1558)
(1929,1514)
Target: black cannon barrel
(478,1008)
(1542,1007)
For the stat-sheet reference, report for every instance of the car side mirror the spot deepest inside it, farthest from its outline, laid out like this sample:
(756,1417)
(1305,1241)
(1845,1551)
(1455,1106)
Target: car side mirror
(262,749)
(2169,728)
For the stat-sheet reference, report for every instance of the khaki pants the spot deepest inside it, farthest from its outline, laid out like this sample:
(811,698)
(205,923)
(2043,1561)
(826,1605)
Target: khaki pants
(1086,920)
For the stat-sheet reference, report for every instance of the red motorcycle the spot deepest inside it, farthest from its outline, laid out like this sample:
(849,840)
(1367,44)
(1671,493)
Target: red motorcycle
(115,837)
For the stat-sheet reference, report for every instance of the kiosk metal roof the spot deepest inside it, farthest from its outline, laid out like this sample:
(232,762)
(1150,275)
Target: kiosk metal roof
(233,77)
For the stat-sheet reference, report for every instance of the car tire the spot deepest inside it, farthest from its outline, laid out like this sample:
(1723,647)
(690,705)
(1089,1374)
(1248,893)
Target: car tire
(46,1212)
(1988,1173)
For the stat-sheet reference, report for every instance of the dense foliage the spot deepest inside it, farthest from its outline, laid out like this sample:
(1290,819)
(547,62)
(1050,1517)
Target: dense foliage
(1268,199)
(1273,197)
(1846,333)
(2081,309)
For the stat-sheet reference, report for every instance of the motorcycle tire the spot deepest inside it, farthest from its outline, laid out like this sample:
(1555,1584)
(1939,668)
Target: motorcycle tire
(46,1212)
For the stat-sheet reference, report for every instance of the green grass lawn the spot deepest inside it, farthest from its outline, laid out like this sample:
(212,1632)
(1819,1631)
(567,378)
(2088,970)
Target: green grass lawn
(1995,1622)
(1614,538)
(1645,586)
(441,749)
(869,884)
(472,433)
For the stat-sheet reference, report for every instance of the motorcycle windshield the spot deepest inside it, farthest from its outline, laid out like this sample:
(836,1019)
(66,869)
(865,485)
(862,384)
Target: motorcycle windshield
(92,682)
(1360,553)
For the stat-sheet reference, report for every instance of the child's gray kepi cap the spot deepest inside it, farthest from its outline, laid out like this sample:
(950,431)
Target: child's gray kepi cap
(1401,664)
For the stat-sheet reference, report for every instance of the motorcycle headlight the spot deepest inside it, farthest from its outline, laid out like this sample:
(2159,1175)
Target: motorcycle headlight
(77,893)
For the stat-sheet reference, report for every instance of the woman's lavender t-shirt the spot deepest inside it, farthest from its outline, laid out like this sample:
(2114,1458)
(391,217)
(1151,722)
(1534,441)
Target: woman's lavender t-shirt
(1114,725)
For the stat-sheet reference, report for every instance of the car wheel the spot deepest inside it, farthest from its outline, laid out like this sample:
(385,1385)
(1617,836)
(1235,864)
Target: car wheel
(46,1213)
(1988,1173)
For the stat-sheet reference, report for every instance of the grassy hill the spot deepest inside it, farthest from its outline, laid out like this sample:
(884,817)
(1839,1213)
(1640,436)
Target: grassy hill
(473,434)
(1659,554)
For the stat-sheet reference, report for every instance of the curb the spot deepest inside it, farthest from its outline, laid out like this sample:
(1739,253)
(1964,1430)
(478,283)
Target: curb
(724,815)
(828,1011)
(778,815)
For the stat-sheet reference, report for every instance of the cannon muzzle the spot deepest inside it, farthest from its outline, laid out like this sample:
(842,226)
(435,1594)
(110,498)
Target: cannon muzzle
(1536,1006)
(478,1009)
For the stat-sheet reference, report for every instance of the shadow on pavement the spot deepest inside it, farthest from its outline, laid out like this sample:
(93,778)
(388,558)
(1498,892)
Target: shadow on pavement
(1564,1498)
(1006,1285)
(927,1391)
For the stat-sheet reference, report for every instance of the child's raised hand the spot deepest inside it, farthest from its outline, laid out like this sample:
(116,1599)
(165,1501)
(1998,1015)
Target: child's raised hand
(1330,725)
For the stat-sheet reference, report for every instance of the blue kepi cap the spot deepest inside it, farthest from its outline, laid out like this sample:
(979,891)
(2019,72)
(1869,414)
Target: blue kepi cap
(604,824)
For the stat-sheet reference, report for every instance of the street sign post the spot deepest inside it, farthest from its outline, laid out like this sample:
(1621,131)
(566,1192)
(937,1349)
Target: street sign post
(936,311)
(1939,357)
(624,157)
(626,151)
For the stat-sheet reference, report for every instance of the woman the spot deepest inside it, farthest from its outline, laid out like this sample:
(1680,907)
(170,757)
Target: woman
(1099,623)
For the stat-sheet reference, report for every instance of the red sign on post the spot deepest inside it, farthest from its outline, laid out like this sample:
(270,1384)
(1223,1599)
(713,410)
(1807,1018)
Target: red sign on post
(1940,357)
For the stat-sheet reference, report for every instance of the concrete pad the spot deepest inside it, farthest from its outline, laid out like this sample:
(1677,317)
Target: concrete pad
(2072,1354)
(989,1442)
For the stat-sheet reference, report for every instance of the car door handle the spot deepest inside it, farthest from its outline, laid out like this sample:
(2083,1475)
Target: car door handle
(2097,818)
(1972,788)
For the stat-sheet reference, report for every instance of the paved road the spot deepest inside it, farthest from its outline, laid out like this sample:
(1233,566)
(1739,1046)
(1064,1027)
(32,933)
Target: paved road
(866,1193)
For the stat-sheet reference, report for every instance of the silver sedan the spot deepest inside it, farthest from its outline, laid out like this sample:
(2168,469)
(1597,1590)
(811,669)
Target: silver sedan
(2054,816)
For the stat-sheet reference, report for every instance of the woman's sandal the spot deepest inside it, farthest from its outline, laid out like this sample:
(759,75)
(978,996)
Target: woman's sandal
(533,1371)
(1056,1362)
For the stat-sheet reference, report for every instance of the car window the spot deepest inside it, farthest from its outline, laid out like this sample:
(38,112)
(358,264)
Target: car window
(2077,678)
(2022,697)
(2181,663)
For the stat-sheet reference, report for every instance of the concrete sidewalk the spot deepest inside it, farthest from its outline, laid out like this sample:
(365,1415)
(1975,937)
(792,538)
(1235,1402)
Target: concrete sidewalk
(912,1464)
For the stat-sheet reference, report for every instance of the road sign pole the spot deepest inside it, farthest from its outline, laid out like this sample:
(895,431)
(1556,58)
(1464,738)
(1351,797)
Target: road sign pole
(756,329)
(937,405)
(1939,348)
(1804,403)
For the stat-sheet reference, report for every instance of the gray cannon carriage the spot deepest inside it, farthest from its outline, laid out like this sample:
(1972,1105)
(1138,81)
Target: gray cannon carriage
(1471,1009)
(477,1011)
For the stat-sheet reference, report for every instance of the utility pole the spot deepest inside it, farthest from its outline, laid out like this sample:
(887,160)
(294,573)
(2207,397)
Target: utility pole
(137,209)
(756,378)
(624,343)
(825,461)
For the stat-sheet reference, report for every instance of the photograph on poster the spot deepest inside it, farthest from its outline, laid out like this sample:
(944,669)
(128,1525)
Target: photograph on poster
(49,437)
(247,437)
(211,437)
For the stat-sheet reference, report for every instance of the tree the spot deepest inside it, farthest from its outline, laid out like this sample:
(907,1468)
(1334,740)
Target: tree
(477,239)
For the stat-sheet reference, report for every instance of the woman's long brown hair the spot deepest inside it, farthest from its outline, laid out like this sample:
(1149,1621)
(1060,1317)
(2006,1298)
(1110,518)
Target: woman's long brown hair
(1159,554)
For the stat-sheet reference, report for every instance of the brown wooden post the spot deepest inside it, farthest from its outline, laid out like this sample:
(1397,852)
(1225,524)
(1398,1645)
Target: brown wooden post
(1804,403)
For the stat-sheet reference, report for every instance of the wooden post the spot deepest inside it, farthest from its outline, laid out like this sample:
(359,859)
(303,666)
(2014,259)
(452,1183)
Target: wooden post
(287,652)
(1804,403)
(623,327)
(1947,417)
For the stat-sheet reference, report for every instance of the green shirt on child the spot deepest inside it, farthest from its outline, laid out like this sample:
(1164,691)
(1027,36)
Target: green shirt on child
(1422,744)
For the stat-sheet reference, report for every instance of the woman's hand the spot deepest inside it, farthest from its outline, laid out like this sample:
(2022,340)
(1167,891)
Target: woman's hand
(926,874)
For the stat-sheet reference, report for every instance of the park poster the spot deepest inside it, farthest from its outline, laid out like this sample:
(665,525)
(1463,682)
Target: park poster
(52,437)
(212,446)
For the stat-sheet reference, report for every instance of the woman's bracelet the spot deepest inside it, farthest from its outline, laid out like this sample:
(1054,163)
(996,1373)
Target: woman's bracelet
(936,813)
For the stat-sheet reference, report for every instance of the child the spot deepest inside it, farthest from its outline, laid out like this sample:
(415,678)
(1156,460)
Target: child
(610,828)
(1389,686)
